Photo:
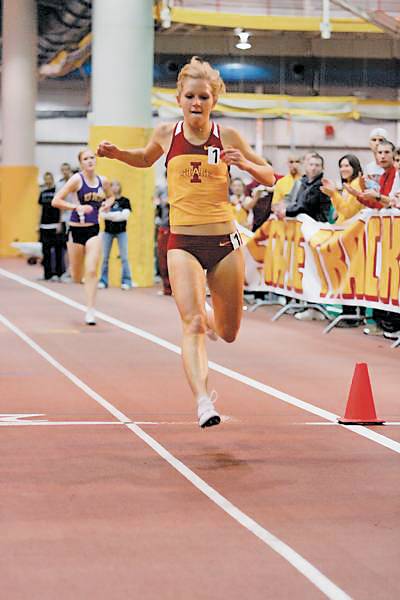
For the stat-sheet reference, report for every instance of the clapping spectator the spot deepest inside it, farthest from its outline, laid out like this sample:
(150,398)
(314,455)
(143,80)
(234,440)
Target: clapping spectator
(346,205)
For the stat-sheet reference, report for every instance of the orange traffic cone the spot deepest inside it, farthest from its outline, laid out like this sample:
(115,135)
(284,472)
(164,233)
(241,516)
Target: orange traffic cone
(360,409)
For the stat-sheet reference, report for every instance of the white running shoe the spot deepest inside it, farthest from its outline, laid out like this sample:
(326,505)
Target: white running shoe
(206,412)
(310,314)
(210,333)
(90,318)
(101,285)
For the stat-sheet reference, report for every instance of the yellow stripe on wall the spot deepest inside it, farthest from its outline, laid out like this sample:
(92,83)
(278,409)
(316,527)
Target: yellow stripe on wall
(19,210)
(268,22)
(138,186)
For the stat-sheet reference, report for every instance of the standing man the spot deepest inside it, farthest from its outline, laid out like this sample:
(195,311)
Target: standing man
(309,200)
(50,230)
(115,228)
(285,184)
(66,174)
(386,322)
(163,231)
(372,169)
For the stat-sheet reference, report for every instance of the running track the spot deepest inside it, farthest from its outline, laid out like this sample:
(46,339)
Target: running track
(118,494)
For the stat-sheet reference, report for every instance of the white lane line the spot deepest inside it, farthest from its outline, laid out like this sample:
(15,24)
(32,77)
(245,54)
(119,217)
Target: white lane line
(320,581)
(249,381)
(118,423)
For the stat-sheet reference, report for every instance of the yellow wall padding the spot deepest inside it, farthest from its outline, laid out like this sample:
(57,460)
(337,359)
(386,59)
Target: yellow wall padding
(138,186)
(19,211)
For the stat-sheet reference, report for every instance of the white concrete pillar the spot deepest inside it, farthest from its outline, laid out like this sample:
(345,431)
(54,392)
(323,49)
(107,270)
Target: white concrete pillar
(19,81)
(18,173)
(122,62)
(122,80)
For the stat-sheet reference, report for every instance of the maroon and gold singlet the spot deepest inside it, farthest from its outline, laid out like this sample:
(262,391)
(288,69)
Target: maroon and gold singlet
(198,183)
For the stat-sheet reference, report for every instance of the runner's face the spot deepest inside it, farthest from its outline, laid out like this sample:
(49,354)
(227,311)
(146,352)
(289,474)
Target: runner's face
(196,101)
(88,161)
(346,170)
(397,161)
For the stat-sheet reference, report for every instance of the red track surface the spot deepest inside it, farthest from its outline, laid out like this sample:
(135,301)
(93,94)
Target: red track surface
(91,511)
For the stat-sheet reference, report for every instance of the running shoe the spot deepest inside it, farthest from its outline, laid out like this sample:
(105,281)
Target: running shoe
(125,286)
(391,335)
(310,314)
(374,330)
(101,285)
(90,318)
(206,412)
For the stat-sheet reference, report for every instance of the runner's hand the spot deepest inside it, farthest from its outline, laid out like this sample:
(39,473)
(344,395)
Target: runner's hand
(107,150)
(84,209)
(232,156)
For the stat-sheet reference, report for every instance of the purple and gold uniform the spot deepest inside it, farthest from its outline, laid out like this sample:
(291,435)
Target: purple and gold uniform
(94,196)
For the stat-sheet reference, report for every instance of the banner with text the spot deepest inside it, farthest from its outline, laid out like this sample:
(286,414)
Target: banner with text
(356,263)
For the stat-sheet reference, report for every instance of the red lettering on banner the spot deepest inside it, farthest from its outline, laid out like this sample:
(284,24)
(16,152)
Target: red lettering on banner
(196,172)
(373,239)
(354,244)
(389,280)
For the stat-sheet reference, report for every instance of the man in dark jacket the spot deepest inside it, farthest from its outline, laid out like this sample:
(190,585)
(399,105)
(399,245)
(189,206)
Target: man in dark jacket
(306,197)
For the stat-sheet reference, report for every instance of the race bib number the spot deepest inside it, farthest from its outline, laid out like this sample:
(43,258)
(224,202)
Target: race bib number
(236,240)
(213,155)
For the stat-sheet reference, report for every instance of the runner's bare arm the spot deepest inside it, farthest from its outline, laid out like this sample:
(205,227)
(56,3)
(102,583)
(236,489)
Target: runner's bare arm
(238,152)
(140,157)
(71,187)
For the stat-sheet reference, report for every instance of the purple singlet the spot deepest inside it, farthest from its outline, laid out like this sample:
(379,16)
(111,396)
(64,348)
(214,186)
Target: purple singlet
(89,195)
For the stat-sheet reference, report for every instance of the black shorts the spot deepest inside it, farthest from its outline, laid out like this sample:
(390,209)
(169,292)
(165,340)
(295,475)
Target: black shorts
(80,235)
(208,249)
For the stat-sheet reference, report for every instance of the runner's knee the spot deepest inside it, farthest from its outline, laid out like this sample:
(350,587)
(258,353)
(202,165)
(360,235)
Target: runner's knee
(196,323)
(91,272)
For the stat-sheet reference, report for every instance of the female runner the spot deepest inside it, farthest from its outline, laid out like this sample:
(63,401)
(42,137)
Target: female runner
(203,236)
(93,193)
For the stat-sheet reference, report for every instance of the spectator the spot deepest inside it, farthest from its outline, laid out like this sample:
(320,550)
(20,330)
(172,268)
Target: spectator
(308,199)
(115,228)
(66,173)
(285,184)
(372,169)
(162,222)
(241,213)
(397,159)
(50,229)
(346,205)
(260,200)
(386,323)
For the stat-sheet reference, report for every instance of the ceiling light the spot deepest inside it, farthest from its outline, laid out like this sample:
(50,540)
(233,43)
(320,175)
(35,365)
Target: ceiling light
(243,43)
